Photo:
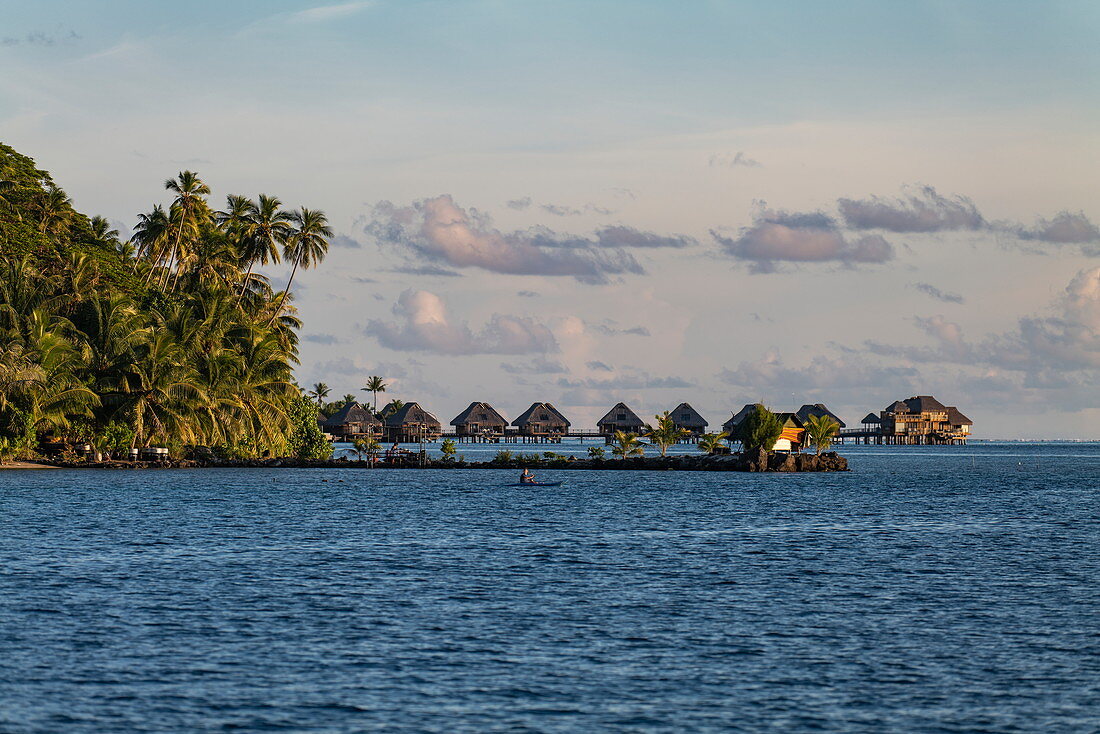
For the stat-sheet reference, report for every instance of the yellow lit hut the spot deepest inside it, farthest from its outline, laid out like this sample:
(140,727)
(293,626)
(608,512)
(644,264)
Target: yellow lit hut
(790,440)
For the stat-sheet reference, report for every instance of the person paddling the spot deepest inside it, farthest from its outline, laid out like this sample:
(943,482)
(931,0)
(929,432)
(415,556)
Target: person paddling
(526,477)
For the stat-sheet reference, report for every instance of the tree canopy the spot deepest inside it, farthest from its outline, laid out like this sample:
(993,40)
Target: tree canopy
(170,338)
(760,429)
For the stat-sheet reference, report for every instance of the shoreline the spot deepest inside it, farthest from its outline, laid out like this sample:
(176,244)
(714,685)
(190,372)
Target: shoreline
(28,465)
(760,463)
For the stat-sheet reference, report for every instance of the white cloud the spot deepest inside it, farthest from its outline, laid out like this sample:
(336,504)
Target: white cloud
(440,230)
(423,325)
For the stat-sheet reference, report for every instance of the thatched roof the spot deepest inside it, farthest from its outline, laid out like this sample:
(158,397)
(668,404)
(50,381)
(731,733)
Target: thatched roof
(531,415)
(620,417)
(871,418)
(481,413)
(897,407)
(817,409)
(925,404)
(685,416)
(353,412)
(955,418)
(790,420)
(412,414)
(737,417)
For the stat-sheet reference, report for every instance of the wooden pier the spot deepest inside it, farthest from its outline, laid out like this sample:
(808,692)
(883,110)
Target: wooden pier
(879,438)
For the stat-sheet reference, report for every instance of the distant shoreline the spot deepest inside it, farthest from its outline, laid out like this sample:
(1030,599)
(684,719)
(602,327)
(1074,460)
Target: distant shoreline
(762,462)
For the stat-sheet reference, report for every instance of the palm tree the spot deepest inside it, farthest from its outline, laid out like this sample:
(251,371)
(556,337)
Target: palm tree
(319,392)
(187,211)
(103,231)
(263,228)
(666,434)
(306,245)
(711,443)
(151,236)
(625,445)
(375,385)
(7,186)
(394,406)
(821,430)
(348,399)
(55,210)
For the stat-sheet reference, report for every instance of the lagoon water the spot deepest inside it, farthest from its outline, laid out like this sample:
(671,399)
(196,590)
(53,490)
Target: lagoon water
(931,589)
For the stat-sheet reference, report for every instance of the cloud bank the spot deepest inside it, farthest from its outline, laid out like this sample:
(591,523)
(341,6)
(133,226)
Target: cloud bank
(440,231)
(781,236)
(923,211)
(423,325)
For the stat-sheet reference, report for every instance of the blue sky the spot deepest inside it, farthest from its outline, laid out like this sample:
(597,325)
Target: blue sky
(653,202)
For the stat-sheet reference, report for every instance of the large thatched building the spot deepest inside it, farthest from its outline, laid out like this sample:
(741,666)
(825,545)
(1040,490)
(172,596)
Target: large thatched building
(543,420)
(923,419)
(351,422)
(688,419)
(411,423)
(479,420)
(620,418)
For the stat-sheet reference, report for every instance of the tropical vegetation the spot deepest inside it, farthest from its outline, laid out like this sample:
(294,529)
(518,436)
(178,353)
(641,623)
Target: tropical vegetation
(626,445)
(665,434)
(712,443)
(170,338)
(820,432)
(760,429)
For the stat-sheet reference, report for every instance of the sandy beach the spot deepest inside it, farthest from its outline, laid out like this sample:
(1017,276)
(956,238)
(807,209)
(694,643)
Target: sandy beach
(25,465)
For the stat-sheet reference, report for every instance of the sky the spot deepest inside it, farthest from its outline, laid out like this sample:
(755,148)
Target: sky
(654,202)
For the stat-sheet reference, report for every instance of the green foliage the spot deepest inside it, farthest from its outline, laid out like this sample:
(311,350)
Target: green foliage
(665,434)
(169,339)
(503,456)
(711,443)
(116,438)
(596,452)
(17,434)
(760,429)
(820,431)
(375,385)
(306,440)
(448,448)
(625,445)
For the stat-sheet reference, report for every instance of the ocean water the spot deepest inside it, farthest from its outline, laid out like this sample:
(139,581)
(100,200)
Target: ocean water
(950,589)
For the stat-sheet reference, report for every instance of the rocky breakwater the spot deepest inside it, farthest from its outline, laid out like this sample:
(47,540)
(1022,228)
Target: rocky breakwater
(760,461)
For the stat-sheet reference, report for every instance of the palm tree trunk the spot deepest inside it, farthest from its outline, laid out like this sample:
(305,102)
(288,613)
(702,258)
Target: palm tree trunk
(279,307)
(244,283)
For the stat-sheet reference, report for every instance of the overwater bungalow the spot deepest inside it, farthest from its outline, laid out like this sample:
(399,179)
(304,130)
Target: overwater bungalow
(411,423)
(479,420)
(817,409)
(871,422)
(688,419)
(620,418)
(922,419)
(541,420)
(351,422)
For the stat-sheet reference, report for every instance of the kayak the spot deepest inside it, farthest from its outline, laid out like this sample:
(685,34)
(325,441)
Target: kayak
(536,484)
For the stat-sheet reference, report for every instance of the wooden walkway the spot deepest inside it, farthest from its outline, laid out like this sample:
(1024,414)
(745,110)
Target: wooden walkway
(877,437)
